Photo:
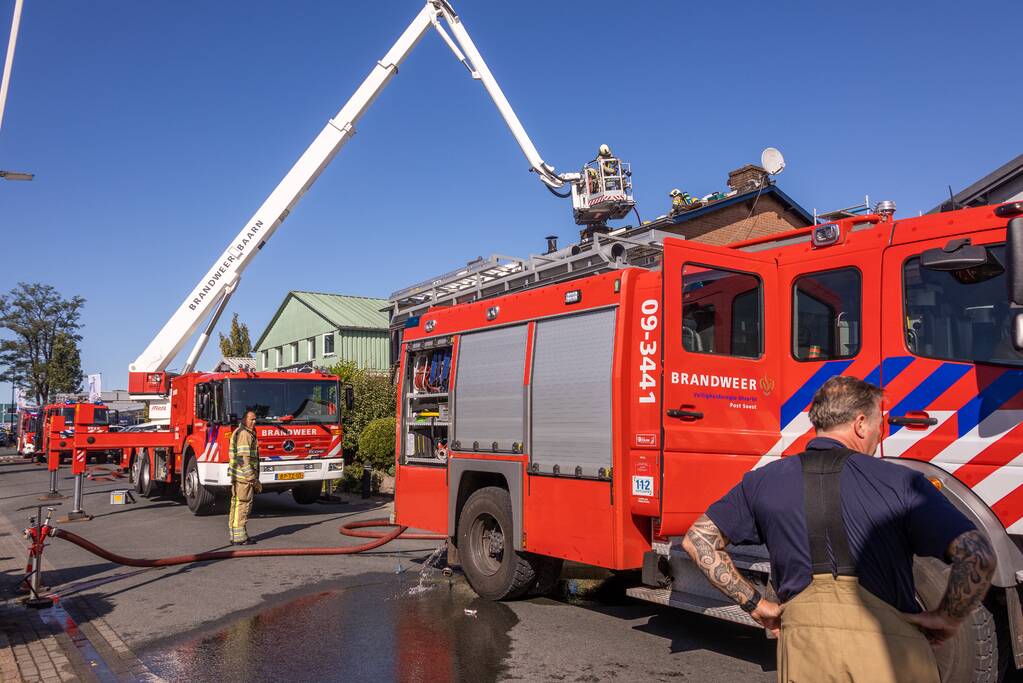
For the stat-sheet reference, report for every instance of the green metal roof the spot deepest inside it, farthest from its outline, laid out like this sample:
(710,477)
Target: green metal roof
(347,311)
(342,312)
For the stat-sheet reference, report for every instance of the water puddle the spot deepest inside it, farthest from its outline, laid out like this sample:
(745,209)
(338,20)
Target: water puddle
(400,627)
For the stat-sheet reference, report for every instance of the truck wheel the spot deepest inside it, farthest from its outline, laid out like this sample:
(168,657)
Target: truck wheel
(200,499)
(548,571)
(145,485)
(979,652)
(135,473)
(490,562)
(307,494)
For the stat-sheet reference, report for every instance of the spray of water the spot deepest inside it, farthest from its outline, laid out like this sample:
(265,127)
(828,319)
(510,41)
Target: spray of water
(426,573)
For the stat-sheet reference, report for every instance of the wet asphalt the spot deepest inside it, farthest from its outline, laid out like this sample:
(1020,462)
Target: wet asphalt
(382,616)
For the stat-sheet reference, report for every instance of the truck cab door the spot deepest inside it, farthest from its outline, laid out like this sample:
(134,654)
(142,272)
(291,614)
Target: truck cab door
(721,342)
(953,381)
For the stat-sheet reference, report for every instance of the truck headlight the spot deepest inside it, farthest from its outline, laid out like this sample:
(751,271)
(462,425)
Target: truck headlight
(335,466)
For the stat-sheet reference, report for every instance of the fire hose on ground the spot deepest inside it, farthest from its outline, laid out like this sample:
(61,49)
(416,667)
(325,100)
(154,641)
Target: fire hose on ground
(39,532)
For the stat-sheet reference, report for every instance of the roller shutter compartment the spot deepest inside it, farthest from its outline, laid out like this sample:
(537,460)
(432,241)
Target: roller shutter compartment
(489,392)
(571,400)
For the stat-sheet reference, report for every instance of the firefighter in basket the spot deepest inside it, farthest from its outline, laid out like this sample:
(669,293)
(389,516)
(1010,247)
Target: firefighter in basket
(244,471)
(610,168)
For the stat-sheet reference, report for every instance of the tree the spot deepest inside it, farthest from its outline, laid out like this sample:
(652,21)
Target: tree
(40,321)
(236,344)
(65,366)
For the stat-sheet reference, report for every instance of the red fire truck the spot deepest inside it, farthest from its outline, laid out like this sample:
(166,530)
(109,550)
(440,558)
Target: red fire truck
(590,404)
(26,436)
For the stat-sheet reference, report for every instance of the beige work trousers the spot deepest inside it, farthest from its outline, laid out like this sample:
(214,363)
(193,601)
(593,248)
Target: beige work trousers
(837,631)
(242,493)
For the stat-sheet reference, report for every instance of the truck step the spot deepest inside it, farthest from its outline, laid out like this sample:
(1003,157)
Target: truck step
(691,602)
(749,557)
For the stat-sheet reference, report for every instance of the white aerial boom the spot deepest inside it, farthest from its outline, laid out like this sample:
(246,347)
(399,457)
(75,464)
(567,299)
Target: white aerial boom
(209,298)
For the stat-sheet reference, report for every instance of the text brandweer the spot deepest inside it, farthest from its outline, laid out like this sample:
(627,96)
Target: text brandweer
(229,260)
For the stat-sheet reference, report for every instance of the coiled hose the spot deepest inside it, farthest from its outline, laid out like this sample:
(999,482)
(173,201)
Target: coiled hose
(352,529)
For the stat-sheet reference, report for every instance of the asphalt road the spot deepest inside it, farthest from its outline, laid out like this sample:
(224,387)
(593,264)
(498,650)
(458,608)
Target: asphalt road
(375,616)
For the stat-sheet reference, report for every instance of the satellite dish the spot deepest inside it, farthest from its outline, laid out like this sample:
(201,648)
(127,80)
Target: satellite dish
(772,161)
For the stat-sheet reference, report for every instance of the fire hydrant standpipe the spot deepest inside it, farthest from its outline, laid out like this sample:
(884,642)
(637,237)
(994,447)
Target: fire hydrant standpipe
(353,529)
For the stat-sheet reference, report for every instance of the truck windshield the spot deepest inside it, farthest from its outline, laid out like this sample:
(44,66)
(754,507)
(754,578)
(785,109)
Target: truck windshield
(960,315)
(290,400)
(101,416)
(69,416)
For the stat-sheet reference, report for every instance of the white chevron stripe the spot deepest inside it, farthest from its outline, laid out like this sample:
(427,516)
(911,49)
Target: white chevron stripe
(797,427)
(904,439)
(1001,483)
(969,446)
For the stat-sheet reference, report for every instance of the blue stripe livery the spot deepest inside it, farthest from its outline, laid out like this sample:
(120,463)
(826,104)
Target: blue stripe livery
(991,399)
(801,399)
(889,369)
(936,384)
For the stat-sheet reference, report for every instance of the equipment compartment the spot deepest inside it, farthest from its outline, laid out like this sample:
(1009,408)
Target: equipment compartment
(427,409)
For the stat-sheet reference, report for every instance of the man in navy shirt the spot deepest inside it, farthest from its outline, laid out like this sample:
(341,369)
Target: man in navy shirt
(841,528)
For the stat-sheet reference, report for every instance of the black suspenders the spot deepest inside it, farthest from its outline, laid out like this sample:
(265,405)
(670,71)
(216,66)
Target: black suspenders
(829,545)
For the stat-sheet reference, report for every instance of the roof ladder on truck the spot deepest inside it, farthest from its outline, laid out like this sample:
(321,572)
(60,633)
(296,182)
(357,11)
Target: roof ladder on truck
(500,275)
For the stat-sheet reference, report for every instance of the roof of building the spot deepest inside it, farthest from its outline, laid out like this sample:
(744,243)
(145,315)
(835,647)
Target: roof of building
(768,190)
(343,311)
(977,193)
(235,364)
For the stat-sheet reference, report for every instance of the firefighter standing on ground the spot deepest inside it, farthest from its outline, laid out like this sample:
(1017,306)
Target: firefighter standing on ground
(841,529)
(244,472)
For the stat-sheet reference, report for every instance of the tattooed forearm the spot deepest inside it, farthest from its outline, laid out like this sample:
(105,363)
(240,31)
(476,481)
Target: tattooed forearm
(706,545)
(973,563)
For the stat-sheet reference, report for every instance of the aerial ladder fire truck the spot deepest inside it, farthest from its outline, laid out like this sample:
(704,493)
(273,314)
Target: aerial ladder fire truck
(298,423)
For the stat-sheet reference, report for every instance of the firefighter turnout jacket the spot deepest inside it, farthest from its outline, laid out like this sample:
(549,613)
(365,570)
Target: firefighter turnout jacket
(244,455)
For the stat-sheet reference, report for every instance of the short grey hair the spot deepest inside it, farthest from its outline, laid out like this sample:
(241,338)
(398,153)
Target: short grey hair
(841,399)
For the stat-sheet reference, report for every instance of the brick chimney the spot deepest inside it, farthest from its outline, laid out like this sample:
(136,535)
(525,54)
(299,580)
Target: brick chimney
(746,178)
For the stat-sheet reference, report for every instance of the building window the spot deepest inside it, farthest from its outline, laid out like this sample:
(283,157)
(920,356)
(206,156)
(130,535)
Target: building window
(826,315)
(328,344)
(722,312)
(280,356)
(265,357)
(294,353)
(311,343)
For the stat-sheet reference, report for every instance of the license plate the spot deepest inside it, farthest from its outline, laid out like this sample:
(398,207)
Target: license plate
(290,475)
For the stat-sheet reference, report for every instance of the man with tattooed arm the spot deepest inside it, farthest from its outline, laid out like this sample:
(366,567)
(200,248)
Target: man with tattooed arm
(841,528)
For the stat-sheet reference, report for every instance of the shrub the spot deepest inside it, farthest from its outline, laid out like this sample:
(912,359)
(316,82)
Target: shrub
(376,443)
(375,398)
(351,481)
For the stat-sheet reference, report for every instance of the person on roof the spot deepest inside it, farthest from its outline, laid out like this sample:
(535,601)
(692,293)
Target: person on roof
(841,529)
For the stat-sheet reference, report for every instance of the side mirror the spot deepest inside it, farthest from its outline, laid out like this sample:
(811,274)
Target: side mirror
(349,397)
(1017,331)
(956,255)
(1014,258)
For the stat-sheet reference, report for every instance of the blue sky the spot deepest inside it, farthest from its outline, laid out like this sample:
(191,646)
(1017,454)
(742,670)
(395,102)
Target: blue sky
(157,128)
